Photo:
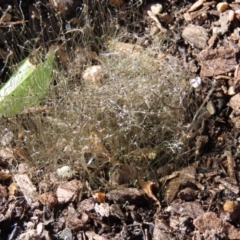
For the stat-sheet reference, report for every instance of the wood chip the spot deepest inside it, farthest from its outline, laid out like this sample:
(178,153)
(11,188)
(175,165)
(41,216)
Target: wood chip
(234,103)
(196,5)
(196,35)
(186,209)
(131,195)
(162,230)
(217,61)
(102,209)
(87,205)
(224,20)
(27,188)
(230,184)
(236,82)
(67,191)
(172,189)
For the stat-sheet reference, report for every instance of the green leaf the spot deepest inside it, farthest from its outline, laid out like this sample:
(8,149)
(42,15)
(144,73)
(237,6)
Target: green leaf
(27,86)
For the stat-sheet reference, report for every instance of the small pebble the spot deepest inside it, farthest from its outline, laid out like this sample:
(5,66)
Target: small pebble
(156,8)
(211,108)
(231,91)
(221,7)
(231,15)
(217,31)
(228,206)
(221,187)
(196,82)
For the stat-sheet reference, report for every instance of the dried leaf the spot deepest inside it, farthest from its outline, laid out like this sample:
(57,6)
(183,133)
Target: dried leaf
(99,196)
(147,187)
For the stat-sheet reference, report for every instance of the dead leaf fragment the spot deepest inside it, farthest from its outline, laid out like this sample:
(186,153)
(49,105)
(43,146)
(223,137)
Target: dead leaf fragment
(196,35)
